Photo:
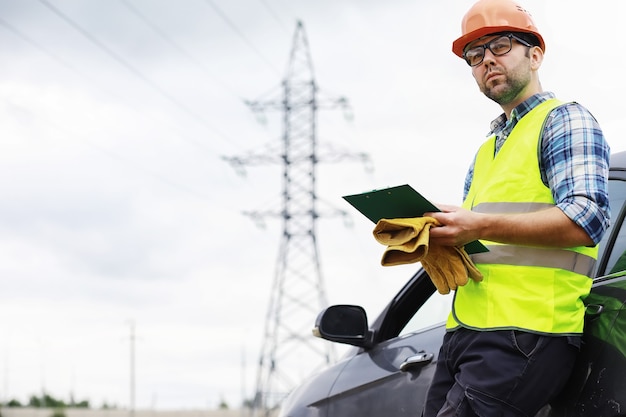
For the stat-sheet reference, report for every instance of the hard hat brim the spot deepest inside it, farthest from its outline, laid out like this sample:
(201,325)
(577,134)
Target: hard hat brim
(459,45)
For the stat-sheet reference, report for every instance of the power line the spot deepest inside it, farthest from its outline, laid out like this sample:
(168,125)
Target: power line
(19,34)
(135,71)
(37,46)
(235,29)
(165,37)
(274,15)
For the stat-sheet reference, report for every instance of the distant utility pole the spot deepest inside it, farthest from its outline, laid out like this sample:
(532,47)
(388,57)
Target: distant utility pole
(289,351)
(131,407)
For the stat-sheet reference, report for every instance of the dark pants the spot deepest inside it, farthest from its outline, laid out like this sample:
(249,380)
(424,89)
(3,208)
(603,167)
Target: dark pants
(498,373)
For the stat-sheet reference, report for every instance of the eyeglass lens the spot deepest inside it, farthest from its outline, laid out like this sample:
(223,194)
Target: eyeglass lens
(498,46)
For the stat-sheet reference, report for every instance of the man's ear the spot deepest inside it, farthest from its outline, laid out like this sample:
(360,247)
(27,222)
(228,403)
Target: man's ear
(536,57)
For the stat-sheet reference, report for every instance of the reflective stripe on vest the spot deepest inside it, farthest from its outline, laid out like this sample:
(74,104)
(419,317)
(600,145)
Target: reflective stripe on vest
(530,256)
(580,263)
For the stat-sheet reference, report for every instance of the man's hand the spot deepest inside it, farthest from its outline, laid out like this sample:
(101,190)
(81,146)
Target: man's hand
(459,226)
(547,228)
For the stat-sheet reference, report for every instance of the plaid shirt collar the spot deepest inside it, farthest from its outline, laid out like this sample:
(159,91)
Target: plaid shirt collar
(498,124)
(501,127)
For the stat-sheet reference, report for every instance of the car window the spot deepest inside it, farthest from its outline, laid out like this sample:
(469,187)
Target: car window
(617,260)
(434,311)
(617,257)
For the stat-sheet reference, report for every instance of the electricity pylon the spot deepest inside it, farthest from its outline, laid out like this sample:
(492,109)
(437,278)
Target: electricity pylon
(289,351)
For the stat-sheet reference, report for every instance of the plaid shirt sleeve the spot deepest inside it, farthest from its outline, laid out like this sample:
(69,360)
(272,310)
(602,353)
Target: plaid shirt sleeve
(575,164)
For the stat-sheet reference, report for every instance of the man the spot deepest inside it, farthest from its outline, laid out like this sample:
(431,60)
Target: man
(536,196)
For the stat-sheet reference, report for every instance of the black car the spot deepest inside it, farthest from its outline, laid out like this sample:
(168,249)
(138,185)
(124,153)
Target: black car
(389,368)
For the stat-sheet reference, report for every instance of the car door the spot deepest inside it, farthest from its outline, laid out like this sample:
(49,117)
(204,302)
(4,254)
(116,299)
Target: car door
(596,388)
(392,377)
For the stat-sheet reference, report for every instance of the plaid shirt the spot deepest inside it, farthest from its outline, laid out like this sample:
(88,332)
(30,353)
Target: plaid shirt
(574,161)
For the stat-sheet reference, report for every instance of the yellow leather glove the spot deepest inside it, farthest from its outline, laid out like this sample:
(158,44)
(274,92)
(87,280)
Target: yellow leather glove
(449,267)
(472,271)
(406,239)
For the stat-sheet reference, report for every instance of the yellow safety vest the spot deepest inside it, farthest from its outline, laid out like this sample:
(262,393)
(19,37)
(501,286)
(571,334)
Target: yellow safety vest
(531,288)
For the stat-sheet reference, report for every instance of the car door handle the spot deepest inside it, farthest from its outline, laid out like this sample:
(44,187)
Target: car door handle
(420,359)
(594,309)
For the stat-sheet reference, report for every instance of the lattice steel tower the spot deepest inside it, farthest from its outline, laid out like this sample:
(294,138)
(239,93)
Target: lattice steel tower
(289,351)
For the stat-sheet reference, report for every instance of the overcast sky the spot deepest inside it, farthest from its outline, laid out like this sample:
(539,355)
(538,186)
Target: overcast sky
(116,207)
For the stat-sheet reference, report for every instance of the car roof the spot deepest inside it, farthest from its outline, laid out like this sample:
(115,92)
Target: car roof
(618,160)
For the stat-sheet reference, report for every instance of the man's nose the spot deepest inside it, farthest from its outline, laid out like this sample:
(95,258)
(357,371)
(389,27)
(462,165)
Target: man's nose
(488,57)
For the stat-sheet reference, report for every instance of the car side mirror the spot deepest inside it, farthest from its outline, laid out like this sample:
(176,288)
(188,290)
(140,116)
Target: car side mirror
(343,324)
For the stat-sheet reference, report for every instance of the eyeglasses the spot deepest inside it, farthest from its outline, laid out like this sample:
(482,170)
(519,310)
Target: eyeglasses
(498,46)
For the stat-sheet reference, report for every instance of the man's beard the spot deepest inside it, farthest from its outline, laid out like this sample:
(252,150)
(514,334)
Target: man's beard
(513,86)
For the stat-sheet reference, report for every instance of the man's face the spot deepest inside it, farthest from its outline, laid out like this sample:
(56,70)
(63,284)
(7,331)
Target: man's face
(502,78)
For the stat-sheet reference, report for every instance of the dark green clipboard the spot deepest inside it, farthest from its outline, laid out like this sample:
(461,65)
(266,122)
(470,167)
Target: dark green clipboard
(399,202)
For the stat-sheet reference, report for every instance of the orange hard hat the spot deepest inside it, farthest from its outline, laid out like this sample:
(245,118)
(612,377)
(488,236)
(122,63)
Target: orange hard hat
(494,16)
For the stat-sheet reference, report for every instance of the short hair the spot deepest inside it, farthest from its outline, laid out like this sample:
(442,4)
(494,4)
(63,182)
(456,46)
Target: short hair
(528,37)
